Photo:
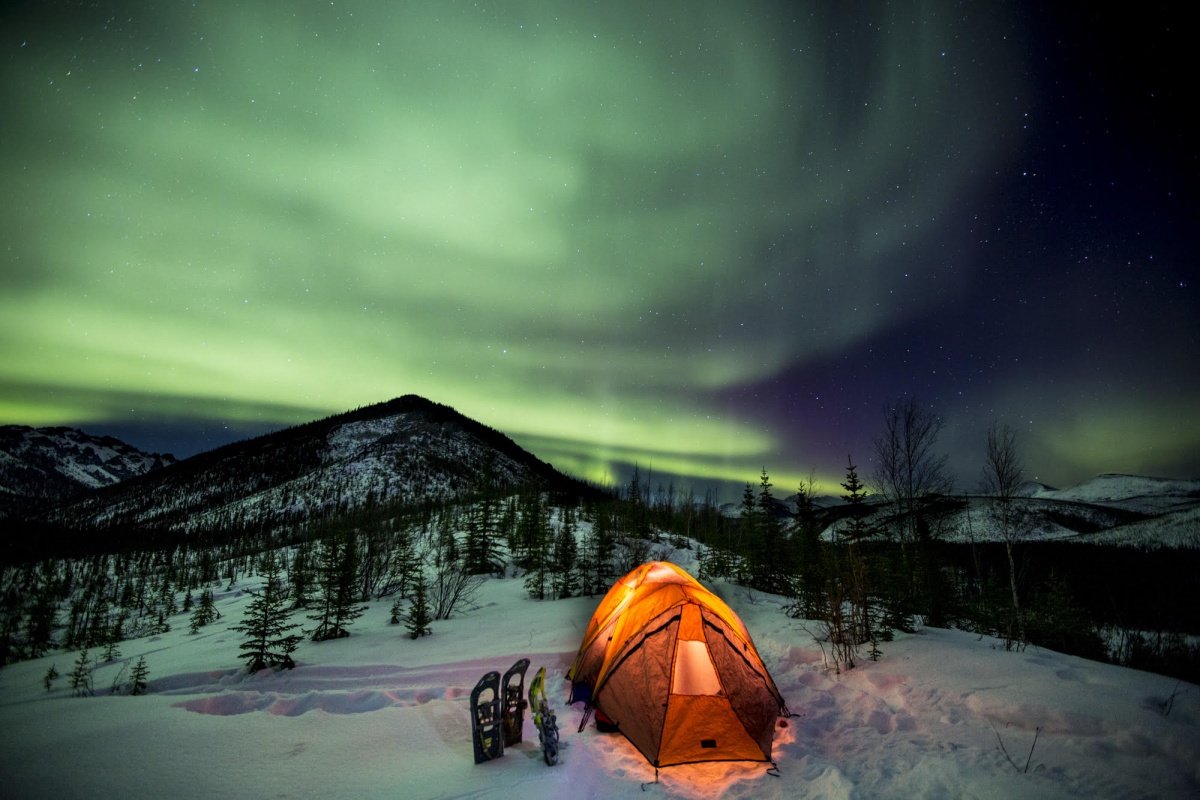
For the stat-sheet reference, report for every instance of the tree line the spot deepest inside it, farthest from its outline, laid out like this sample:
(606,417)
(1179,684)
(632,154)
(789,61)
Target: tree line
(880,562)
(854,574)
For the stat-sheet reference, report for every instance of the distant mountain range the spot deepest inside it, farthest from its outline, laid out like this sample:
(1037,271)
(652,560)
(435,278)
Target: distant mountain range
(412,450)
(1130,510)
(44,467)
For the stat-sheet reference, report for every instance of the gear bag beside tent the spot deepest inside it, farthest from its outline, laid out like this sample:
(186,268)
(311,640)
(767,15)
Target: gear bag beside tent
(676,671)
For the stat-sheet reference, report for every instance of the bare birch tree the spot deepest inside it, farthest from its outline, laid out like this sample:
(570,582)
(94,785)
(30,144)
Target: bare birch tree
(911,477)
(1002,471)
(909,474)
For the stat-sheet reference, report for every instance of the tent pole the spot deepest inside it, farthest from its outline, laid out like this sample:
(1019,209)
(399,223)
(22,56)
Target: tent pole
(587,714)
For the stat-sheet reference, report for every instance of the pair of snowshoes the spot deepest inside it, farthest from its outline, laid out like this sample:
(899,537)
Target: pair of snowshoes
(498,711)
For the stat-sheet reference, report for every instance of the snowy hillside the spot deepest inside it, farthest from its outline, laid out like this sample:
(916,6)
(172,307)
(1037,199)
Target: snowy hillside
(1174,529)
(406,449)
(1124,510)
(378,715)
(51,464)
(1132,492)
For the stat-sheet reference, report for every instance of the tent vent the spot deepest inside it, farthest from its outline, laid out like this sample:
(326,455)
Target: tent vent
(708,742)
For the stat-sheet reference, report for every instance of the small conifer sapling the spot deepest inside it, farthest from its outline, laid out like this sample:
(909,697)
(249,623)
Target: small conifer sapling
(137,681)
(48,678)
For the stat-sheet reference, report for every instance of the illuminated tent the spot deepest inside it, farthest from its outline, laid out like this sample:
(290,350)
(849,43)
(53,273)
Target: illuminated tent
(676,671)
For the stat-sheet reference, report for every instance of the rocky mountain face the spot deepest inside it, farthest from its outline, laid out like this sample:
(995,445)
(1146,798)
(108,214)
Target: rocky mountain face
(42,467)
(405,450)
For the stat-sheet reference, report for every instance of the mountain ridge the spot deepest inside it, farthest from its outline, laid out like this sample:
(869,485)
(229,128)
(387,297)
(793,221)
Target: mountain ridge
(413,450)
(42,467)
(406,449)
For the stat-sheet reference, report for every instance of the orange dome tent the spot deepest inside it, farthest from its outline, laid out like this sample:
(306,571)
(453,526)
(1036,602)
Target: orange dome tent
(676,671)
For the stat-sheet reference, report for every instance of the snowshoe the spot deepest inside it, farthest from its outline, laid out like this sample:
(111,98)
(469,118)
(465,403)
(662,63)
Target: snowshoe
(486,718)
(548,735)
(543,718)
(514,702)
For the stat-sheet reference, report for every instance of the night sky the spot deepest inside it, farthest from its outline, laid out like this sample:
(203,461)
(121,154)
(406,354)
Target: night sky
(706,238)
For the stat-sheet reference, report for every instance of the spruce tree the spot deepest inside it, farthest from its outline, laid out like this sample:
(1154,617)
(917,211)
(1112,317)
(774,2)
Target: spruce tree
(481,552)
(565,550)
(747,536)
(73,635)
(595,558)
(406,565)
(769,566)
(635,518)
(418,620)
(97,633)
(538,557)
(81,675)
(300,576)
(862,628)
(809,558)
(265,623)
(336,570)
(41,622)
(167,600)
(531,530)
(447,542)
(137,681)
(856,528)
(204,612)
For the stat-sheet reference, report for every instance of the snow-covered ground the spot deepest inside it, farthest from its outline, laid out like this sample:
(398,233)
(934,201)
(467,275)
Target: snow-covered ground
(380,715)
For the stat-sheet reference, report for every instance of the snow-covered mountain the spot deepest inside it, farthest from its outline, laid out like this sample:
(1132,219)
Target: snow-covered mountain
(43,466)
(1127,510)
(408,449)
(411,450)
(1130,492)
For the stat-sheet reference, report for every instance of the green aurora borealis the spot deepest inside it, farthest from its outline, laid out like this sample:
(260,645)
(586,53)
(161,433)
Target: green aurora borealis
(617,232)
